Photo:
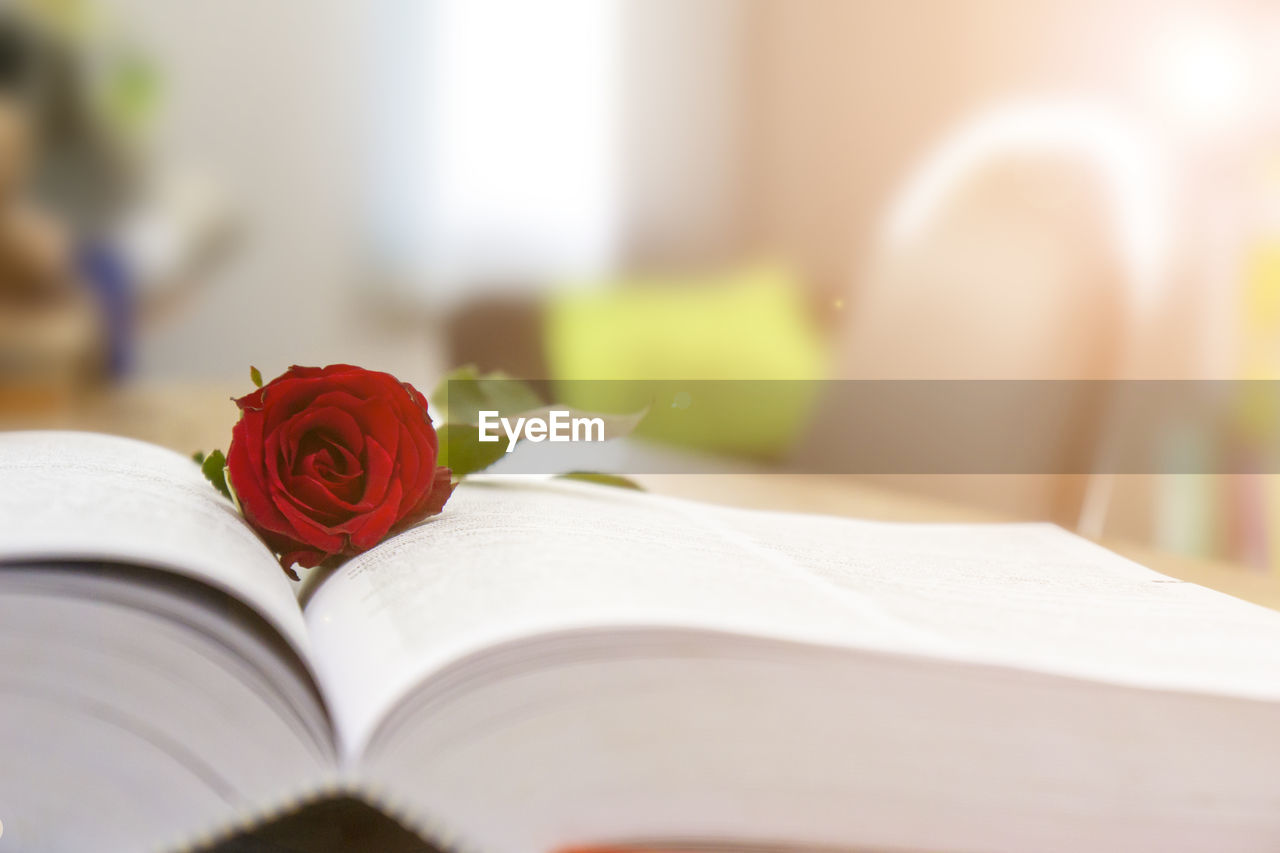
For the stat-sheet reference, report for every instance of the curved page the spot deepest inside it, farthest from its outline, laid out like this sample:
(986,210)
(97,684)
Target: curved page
(84,496)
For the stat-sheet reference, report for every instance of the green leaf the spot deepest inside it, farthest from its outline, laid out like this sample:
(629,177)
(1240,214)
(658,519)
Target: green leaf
(198,456)
(461,395)
(462,451)
(615,426)
(616,480)
(214,468)
(256,375)
(231,489)
(465,396)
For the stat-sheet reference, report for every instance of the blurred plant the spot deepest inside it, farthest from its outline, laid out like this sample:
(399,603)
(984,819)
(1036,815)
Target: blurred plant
(122,81)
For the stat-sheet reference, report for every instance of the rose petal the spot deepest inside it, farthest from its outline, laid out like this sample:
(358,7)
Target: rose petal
(307,529)
(379,419)
(304,557)
(433,502)
(379,467)
(411,473)
(337,424)
(311,496)
(248,475)
(334,458)
(373,528)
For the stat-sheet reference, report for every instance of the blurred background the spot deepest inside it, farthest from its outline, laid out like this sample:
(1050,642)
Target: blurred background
(686,189)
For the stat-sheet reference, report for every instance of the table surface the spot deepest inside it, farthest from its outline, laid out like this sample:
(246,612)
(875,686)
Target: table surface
(188,417)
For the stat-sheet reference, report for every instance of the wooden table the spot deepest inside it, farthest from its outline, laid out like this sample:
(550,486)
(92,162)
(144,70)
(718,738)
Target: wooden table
(189,418)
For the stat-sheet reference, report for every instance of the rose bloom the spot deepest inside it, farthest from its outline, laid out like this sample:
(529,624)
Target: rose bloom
(327,461)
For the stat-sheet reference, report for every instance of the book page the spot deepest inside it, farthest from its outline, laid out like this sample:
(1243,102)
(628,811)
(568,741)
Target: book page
(514,560)
(77,496)
(510,560)
(1037,597)
(138,708)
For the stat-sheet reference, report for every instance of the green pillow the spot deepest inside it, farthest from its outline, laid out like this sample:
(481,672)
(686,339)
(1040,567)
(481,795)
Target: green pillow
(683,336)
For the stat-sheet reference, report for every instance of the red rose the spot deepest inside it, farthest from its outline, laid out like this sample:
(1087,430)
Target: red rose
(328,461)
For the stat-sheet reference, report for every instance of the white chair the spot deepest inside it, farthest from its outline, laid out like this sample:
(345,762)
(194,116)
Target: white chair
(1027,246)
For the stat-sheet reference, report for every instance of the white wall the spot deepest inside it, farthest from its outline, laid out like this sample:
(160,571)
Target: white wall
(684,132)
(263,98)
(272,99)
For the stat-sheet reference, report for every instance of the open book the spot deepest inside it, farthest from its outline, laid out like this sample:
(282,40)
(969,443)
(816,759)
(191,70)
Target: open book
(550,664)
